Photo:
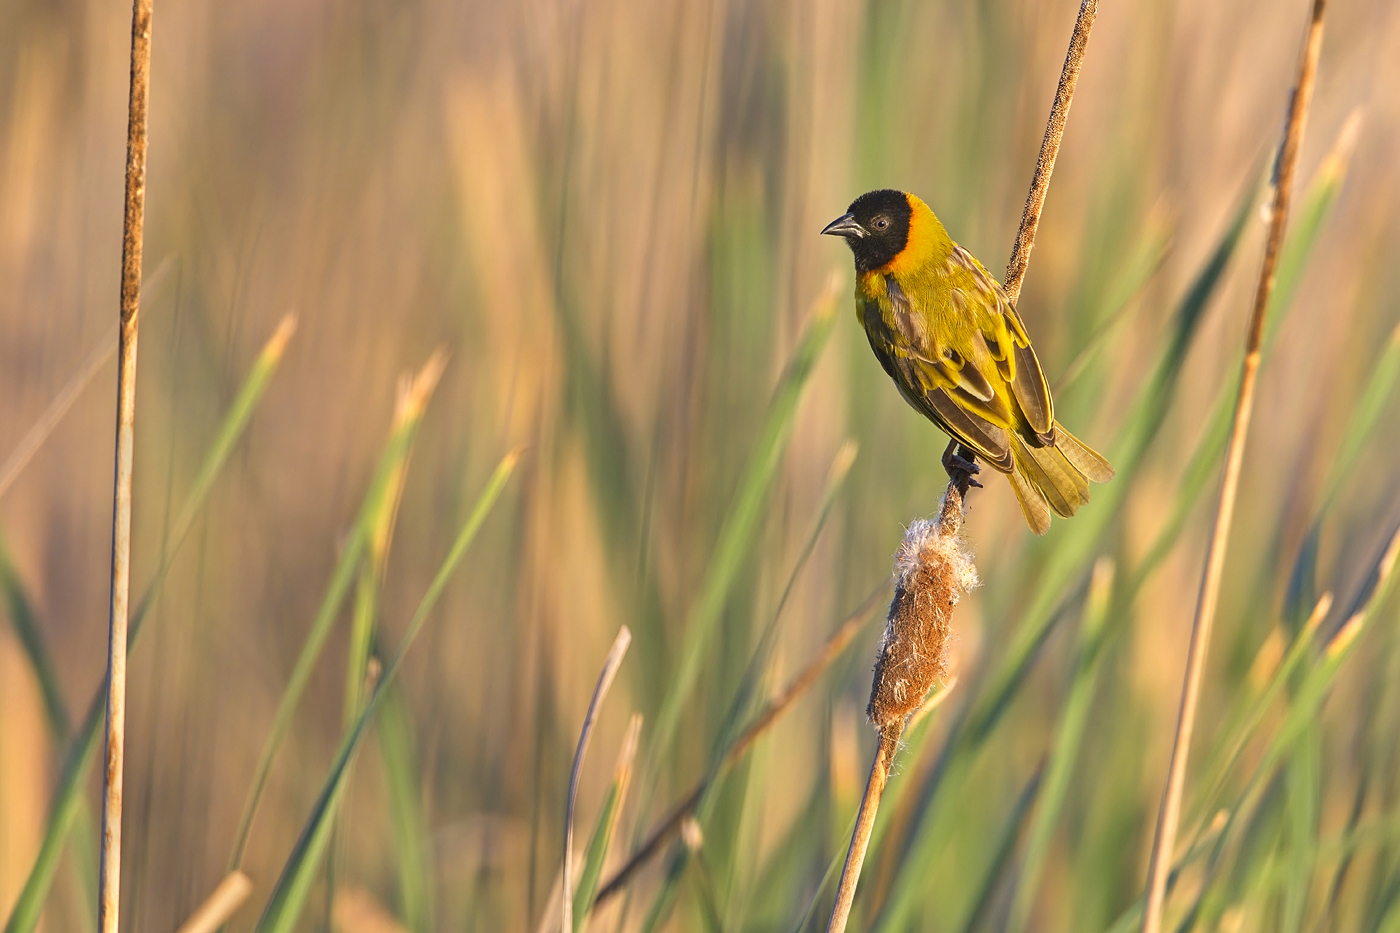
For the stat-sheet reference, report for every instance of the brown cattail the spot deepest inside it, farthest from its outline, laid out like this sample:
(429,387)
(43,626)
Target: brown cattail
(933,568)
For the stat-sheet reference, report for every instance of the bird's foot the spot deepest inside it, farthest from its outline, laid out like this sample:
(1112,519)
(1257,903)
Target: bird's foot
(961,466)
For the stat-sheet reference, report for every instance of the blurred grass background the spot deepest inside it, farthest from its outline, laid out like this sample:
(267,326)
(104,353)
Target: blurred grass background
(607,213)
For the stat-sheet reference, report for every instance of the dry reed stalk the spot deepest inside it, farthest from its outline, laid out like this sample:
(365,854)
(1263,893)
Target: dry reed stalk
(1170,813)
(605,679)
(770,713)
(219,906)
(933,567)
(109,871)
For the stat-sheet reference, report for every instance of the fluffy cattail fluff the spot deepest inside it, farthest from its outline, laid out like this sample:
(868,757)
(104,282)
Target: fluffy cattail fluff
(933,568)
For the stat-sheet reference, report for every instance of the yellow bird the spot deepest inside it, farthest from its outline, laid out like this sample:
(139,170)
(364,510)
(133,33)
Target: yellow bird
(949,337)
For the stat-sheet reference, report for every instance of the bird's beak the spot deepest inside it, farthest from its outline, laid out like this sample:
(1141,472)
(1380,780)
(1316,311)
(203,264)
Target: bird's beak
(846,226)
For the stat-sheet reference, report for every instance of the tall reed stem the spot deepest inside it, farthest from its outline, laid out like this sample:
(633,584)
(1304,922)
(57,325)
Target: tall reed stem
(958,480)
(109,885)
(1170,813)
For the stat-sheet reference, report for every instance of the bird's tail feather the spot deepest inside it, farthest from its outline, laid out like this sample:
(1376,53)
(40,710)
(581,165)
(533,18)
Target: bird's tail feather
(1055,478)
(1084,458)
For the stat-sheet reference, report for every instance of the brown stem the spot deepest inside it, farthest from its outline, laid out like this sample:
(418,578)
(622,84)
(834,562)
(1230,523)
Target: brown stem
(1049,148)
(1170,812)
(109,887)
(865,825)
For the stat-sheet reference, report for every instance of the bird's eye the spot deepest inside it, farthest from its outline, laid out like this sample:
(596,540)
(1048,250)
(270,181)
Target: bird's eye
(881,223)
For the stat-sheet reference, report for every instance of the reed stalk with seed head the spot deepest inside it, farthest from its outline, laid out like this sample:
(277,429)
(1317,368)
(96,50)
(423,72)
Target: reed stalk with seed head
(933,568)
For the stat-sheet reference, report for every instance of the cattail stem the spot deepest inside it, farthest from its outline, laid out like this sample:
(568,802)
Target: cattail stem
(109,887)
(1170,813)
(1049,149)
(865,825)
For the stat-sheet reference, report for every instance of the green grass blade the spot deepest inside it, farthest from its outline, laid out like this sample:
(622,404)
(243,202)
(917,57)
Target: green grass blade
(67,802)
(1006,845)
(299,873)
(1304,789)
(402,785)
(736,535)
(742,707)
(1127,285)
(1374,402)
(1298,247)
(36,649)
(1068,738)
(600,839)
(838,858)
(1243,722)
(1306,703)
(380,493)
(362,625)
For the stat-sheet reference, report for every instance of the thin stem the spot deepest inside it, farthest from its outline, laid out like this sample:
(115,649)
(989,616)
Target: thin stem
(1170,813)
(865,825)
(959,480)
(109,885)
(605,679)
(1049,149)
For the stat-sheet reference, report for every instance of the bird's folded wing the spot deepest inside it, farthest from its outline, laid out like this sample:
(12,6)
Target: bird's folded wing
(1027,381)
(944,386)
(1008,343)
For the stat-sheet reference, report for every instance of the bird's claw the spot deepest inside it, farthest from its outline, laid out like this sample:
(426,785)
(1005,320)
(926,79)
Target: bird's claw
(961,466)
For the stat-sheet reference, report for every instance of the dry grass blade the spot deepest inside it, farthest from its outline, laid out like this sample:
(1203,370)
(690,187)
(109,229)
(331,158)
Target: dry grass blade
(40,430)
(1049,149)
(770,713)
(1170,813)
(109,872)
(605,679)
(220,905)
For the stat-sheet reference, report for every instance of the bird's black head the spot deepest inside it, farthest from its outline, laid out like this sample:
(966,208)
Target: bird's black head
(876,227)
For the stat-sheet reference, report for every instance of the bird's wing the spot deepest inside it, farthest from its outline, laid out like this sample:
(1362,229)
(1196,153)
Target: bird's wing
(1010,346)
(1027,381)
(944,386)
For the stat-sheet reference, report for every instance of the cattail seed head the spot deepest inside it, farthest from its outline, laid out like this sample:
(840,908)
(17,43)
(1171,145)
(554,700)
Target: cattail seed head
(933,568)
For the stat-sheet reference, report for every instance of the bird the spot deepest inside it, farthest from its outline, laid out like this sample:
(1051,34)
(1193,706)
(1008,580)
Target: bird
(949,336)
